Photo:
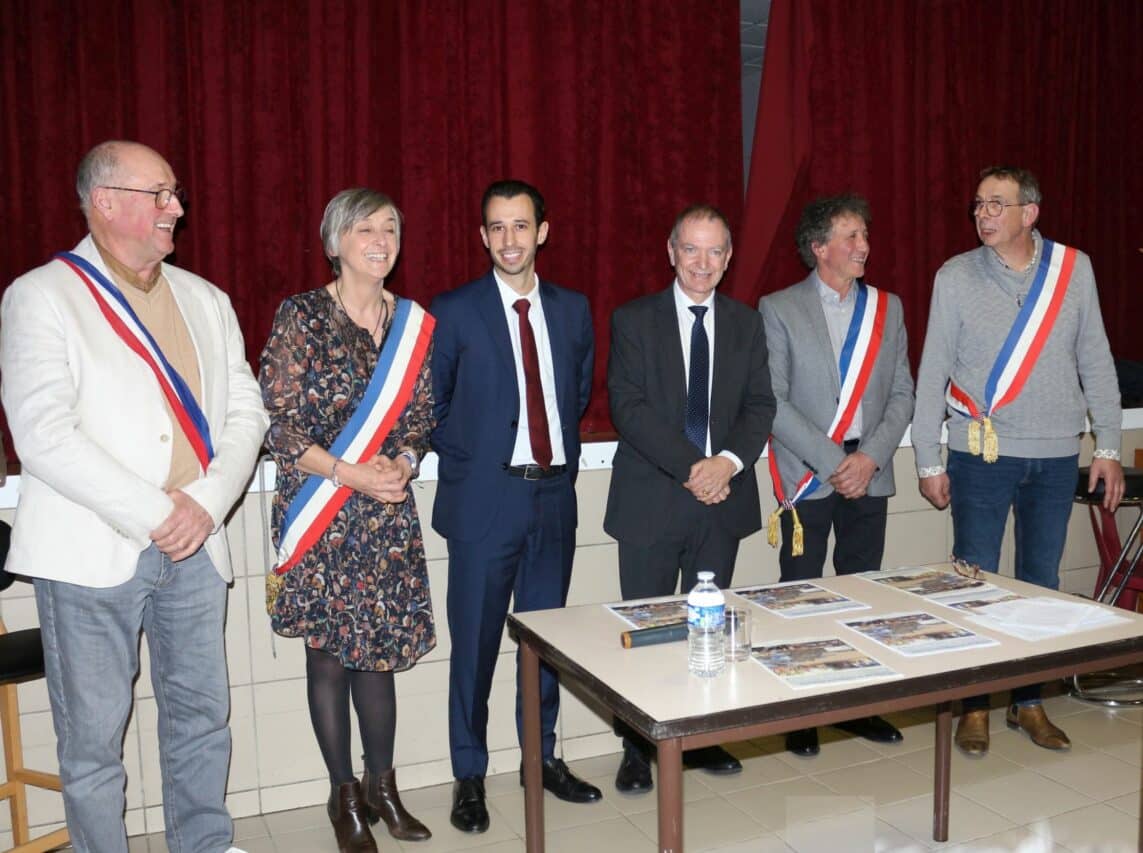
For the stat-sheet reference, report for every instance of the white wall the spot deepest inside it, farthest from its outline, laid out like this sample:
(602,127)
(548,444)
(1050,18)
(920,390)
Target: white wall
(276,764)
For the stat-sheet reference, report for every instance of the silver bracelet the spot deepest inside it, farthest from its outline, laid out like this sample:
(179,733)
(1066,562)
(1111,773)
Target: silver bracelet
(1105,453)
(413,462)
(933,471)
(333,474)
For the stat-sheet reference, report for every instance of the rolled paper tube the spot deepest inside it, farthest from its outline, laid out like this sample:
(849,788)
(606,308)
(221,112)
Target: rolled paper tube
(653,636)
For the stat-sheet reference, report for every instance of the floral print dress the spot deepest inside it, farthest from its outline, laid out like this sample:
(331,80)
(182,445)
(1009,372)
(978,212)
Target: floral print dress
(361,592)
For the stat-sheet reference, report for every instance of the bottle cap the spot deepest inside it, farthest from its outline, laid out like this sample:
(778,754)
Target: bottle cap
(706,576)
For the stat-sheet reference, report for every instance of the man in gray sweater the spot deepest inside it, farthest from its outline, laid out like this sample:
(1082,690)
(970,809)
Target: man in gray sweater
(1015,356)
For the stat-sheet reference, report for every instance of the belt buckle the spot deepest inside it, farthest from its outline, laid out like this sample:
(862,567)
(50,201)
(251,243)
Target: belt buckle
(533,472)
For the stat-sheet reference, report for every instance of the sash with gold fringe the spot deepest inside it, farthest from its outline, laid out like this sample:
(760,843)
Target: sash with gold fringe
(1021,349)
(855,366)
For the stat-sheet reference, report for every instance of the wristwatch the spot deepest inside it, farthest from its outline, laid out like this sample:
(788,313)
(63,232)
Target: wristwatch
(413,462)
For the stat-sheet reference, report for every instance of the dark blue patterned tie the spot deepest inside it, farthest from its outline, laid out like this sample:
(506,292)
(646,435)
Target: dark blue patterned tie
(698,382)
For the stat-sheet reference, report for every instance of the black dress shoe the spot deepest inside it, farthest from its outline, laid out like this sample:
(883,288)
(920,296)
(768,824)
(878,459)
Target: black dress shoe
(803,742)
(871,728)
(559,779)
(634,776)
(712,759)
(469,814)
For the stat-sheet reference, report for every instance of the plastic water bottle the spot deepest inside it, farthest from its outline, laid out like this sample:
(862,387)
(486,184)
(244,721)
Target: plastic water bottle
(706,615)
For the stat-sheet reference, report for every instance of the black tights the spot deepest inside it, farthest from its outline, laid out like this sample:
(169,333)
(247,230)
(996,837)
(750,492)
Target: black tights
(328,688)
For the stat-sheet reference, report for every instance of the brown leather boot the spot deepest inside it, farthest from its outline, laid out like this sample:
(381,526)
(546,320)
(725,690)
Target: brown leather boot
(972,733)
(346,810)
(1033,720)
(383,802)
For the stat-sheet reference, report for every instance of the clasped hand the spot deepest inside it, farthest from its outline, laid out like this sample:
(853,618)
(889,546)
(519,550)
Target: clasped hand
(185,529)
(851,478)
(709,479)
(380,477)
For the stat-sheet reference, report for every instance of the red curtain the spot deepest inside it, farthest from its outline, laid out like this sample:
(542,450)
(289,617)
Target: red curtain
(621,113)
(905,102)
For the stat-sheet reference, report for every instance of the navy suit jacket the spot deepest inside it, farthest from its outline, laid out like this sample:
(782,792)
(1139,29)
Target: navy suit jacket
(647,388)
(477,400)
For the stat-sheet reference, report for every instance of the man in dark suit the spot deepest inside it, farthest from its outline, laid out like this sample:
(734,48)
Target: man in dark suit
(512,369)
(690,397)
(830,320)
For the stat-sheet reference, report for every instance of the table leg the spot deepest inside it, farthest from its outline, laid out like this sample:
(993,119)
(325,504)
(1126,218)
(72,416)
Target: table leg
(942,761)
(670,796)
(533,780)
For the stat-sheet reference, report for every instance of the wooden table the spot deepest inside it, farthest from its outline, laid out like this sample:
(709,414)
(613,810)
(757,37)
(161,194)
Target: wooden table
(650,689)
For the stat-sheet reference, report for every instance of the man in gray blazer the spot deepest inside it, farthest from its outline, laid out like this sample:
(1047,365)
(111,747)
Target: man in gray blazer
(825,325)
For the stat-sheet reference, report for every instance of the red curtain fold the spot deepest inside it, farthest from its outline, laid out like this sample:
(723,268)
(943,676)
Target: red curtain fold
(905,102)
(621,113)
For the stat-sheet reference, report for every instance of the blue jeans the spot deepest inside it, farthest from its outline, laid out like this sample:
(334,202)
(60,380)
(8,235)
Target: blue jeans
(91,657)
(1039,492)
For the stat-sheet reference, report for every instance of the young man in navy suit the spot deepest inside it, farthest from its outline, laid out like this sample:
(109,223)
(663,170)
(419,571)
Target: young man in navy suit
(512,369)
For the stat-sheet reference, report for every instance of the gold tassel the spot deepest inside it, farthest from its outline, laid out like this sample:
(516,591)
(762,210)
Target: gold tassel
(772,527)
(274,584)
(974,437)
(991,442)
(798,546)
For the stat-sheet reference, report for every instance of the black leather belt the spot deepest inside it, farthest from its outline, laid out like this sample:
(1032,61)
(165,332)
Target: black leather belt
(535,472)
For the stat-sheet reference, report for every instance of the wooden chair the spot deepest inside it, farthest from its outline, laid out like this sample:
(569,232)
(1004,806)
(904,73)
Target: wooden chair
(21,659)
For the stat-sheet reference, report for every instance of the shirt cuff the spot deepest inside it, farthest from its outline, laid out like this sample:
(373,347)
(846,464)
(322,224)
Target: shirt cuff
(738,466)
(1106,453)
(932,471)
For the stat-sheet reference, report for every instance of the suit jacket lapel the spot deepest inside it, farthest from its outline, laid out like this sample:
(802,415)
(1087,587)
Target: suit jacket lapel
(558,340)
(674,373)
(725,346)
(194,320)
(491,311)
(812,306)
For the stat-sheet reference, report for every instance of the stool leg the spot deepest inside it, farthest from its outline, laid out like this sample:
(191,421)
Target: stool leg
(1110,578)
(1130,570)
(14,763)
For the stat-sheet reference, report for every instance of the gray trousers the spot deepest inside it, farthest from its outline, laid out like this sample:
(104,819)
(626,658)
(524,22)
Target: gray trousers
(91,656)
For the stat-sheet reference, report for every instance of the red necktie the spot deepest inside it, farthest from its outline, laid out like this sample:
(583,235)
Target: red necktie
(533,391)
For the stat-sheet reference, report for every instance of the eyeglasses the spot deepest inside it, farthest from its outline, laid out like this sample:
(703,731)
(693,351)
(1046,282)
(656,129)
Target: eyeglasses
(964,568)
(992,207)
(162,197)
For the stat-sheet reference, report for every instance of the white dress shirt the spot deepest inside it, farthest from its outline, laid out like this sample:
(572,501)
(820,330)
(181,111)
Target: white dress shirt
(686,318)
(522,451)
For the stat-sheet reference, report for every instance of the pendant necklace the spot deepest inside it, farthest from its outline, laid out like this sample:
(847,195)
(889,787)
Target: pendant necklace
(381,314)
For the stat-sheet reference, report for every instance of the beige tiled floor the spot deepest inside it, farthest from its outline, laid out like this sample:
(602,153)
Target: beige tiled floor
(853,797)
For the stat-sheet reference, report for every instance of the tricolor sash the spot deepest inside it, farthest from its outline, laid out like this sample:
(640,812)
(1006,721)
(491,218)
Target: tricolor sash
(1017,357)
(126,324)
(855,365)
(389,390)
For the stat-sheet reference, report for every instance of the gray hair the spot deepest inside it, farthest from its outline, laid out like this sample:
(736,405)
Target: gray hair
(345,210)
(96,169)
(816,225)
(699,213)
(1025,180)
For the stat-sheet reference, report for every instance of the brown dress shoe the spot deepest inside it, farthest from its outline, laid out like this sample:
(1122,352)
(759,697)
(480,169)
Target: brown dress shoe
(383,802)
(972,733)
(1033,720)
(346,810)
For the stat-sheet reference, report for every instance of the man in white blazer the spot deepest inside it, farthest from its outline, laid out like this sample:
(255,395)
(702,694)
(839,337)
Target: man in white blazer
(126,480)
(811,332)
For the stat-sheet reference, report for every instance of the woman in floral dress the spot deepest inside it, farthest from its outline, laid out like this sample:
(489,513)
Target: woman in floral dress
(359,595)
